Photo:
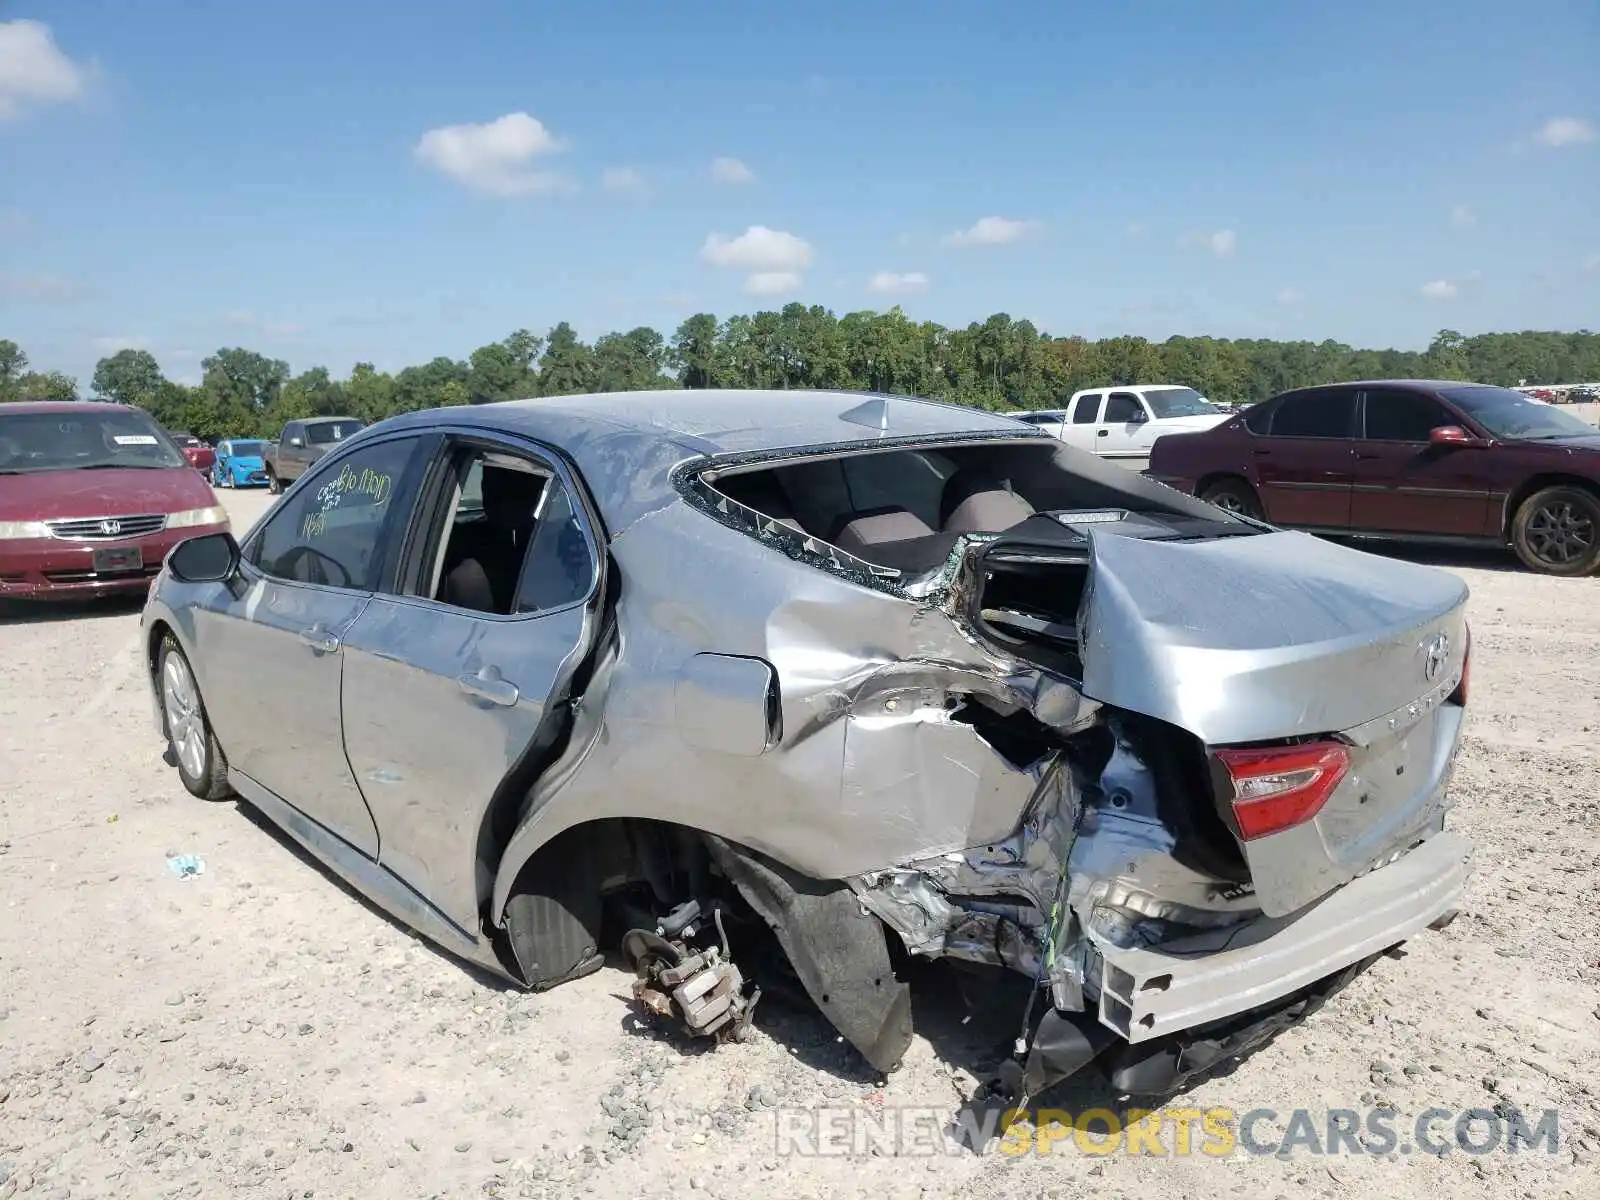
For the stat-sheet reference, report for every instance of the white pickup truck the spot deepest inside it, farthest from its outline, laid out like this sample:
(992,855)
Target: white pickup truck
(1124,422)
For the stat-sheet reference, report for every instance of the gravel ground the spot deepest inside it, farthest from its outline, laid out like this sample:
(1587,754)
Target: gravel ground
(258,1030)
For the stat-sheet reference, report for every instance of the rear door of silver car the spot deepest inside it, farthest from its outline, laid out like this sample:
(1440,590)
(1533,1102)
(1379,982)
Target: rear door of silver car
(446,683)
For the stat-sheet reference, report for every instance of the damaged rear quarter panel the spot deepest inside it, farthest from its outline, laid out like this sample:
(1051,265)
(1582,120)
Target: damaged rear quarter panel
(870,771)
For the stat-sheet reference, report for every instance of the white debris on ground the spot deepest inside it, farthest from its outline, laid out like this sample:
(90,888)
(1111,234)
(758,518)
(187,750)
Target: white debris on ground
(258,1030)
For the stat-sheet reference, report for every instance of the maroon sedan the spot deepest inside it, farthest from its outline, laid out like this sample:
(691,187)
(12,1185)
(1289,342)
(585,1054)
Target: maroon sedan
(1405,458)
(92,496)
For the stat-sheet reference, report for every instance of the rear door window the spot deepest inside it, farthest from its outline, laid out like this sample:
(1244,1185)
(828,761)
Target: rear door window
(1320,414)
(1086,409)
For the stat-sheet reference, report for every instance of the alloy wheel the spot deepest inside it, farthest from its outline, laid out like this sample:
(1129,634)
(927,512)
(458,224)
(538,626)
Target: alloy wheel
(1559,534)
(185,720)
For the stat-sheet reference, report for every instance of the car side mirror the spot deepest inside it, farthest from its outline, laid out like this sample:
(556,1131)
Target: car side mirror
(296,442)
(1451,435)
(209,558)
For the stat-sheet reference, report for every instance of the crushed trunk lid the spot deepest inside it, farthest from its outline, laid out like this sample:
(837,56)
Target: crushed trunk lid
(1243,638)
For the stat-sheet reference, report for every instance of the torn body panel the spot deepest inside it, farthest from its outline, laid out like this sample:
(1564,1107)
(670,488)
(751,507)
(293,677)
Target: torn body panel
(1009,758)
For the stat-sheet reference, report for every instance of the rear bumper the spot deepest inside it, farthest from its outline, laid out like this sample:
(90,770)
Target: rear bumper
(1148,993)
(52,568)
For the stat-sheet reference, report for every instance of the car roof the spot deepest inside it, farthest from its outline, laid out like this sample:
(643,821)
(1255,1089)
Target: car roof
(627,444)
(66,406)
(1414,385)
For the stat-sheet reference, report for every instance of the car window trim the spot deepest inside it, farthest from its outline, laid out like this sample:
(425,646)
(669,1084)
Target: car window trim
(432,507)
(405,495)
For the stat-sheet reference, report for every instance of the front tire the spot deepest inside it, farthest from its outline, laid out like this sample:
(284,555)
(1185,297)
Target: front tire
(1557,531)
(274,484)
(1234,496)
(191,745)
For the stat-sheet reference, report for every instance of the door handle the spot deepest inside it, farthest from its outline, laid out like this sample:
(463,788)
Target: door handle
(319,639)
(1259,453)
(1102,433)
(488,685)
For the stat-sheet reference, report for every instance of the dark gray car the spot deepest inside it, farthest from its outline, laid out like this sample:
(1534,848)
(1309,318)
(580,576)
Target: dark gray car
(303,443)
(681,673)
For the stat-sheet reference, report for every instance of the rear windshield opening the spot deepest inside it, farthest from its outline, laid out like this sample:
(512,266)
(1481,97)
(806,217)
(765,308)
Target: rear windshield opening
(322,432)
(906,508)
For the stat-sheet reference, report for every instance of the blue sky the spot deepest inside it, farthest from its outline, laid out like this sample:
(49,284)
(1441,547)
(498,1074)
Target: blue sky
(328,182)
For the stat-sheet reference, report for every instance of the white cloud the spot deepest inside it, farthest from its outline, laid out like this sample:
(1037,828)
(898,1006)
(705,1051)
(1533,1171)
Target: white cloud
(758,249)
(111,345)
(1223,243)
(896,283)
(1565,131)
(33,71)
(990,231)
(731,170)
(1439,289)
(622,179)
(496,158)
(44,289)
(773,283)
(1462,216)
(1290,297)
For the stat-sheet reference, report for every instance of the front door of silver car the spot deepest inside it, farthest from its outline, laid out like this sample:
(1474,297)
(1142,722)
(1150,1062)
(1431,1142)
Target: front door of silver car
(449,677)
(310,569)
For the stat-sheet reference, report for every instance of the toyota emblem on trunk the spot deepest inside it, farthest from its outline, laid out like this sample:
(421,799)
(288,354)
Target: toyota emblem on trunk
(110,528)
(1436,653)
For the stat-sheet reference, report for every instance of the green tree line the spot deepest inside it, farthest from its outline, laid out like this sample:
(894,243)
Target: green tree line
(999,363)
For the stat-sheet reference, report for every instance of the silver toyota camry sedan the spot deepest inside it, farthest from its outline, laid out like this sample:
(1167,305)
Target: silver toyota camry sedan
(686,676)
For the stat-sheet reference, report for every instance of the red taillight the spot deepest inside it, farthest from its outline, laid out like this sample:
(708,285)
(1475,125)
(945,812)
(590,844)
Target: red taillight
(1278,787)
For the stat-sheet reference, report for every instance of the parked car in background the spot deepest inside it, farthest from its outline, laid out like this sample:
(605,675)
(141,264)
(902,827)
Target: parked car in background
(303,443)
(976,693)
(1410,459)
(239,463)
(199,455)
(92,497)
(1125,422)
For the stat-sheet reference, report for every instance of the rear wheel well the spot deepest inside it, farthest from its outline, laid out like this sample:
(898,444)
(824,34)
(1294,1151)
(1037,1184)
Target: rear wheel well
(556,908)
(1537,483)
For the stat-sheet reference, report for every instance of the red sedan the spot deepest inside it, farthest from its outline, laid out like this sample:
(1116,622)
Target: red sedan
(1406,459)
(92,497)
